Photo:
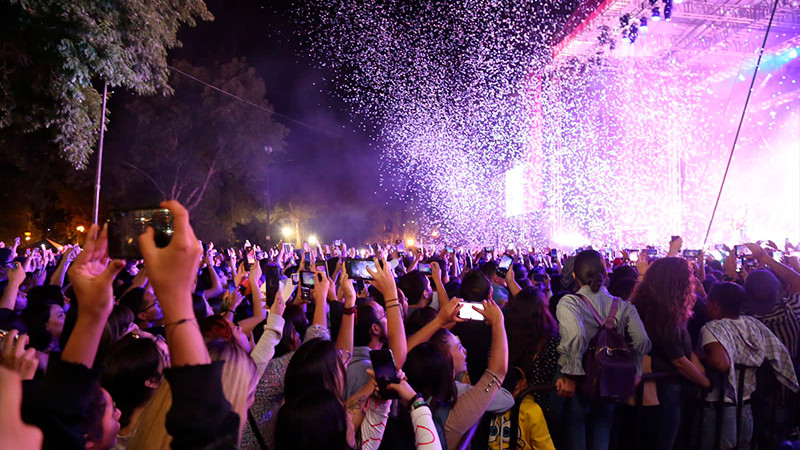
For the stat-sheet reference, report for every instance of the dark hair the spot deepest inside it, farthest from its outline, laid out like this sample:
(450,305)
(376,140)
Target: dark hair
(729,297)
(295,314)
(286,344)
(42,293)
(621,273)
(35,318)
(590,269)
(92,425)
(475,286)
(553,302)
(322,409)
(763,288)
(419,318)
(489,268)
(413,285)
(199,306)
(429,368)
(529,325)
(134,299)
(366,316)
(453,287)
(315,365)
(663,298)
(130,362)
(622,288)
(118,322)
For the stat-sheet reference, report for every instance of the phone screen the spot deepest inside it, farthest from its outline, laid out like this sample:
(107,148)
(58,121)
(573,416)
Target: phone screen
(307,279)
(469,311)
(424,268)
(357,268)
(385,371)
(124,228)
(505,263)
(742,250)
(322,266)
(633,255)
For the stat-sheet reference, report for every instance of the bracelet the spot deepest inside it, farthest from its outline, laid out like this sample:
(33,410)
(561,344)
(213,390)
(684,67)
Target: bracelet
(178,322)
(349,311)
(386,301)
(393,305)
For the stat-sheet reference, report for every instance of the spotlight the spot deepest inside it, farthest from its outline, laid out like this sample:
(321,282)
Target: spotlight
(624,20)
(792,53)
(677,2)
(633,34)
(656,15)
(643,25)
(625,39)
(668,10)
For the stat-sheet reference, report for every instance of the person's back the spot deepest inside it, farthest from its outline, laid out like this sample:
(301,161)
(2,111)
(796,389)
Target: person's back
(577,326)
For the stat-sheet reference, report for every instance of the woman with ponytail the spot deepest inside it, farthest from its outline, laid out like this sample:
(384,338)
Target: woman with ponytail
(577,326)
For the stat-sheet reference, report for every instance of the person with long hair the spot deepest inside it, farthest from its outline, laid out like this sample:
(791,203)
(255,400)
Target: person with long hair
(577,326)
(664,299)
(533,340)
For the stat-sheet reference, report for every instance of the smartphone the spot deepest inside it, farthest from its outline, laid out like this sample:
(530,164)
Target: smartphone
(357,268)
(449,249)
(400,246)
(424,268)
(385,372)
(742,251)
(124,228)
(633,255)
(469,311)
(539,277)
(306,278)
(554,254)
(246,259)
(777,256)
(205,247)
(691,254)
(488,249)
(505,263)
(337,243)
(295,279)
(322,266)
(652,253)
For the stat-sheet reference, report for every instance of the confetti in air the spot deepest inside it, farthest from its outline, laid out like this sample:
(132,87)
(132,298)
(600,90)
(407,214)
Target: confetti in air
(490,139)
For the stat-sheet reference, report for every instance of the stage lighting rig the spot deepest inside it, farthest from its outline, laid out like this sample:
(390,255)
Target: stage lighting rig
(643,25)
(656,17)
(633,33)
(668,10)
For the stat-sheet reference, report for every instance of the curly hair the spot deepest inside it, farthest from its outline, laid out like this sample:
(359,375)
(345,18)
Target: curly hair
(664,298)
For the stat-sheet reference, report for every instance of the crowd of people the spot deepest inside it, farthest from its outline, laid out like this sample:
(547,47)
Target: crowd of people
(324,347)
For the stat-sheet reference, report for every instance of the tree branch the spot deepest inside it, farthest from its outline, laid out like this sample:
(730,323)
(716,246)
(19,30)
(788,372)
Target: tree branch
(147,175)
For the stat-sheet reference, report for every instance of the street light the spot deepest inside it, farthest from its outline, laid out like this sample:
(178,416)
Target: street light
(286,232)
(80,229)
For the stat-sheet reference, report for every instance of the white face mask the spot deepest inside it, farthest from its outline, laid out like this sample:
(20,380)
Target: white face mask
(435,301)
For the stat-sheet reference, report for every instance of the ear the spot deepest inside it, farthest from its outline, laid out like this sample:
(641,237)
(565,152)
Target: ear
(142,316)
(375,329)
(89,443)
(152,383)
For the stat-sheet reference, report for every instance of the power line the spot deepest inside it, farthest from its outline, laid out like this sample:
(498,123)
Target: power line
(741,120)
(255,105)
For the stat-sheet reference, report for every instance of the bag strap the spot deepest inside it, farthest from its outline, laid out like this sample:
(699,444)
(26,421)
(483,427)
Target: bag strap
(612,315)
(254,426)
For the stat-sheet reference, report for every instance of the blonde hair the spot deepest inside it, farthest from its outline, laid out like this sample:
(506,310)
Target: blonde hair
(239,383)
(239,376)
(151,433)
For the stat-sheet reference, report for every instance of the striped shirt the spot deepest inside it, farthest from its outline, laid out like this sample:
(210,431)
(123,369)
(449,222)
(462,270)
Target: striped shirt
(784,321)
(577,326)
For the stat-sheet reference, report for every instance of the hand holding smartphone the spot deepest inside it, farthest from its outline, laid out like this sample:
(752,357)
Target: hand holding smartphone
(125,227)
(469,311)
(385,372)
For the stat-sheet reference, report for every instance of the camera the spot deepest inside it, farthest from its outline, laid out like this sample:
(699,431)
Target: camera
(125,227)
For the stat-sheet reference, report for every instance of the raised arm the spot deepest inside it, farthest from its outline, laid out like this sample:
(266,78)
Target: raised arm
(57,279)
(216,284)
(384,282)
(448,313)
(784,273)
(344,341)
(16,275)
(498,354)
(259,313)
(92,282)
(172,271)
(511,282)
(436,275)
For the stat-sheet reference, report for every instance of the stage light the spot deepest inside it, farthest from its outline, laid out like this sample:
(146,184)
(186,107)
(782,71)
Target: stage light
(410,242)
(624,20)
(286,231)
(656,15)
(312,240)
(792,53)
(80,229)
(633,33)
(625,38)
(643,25)
(677,2)
(668,10)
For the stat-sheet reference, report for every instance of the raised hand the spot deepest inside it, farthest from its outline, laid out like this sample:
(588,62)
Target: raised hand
(92,275)
(278,304)
(322,285)
(383,280)
(448,311)
(492,313)
(15,357)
